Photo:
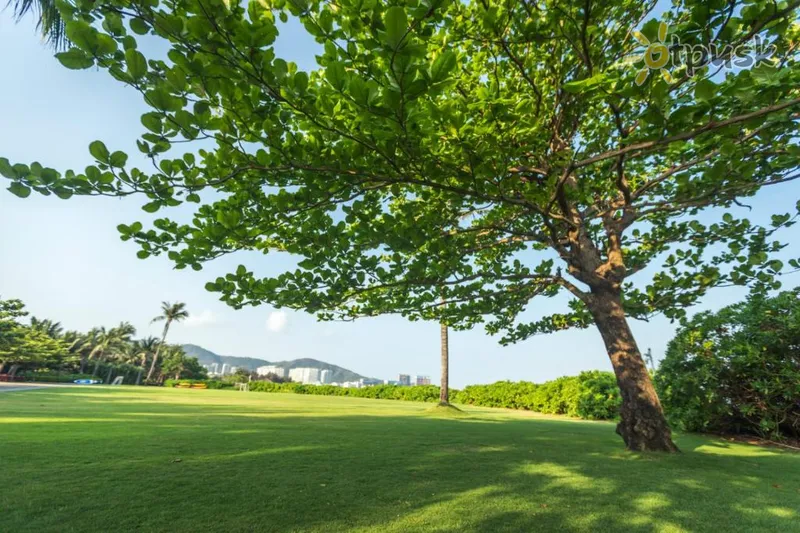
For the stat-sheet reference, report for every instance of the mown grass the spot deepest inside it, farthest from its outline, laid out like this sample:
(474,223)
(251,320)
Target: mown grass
(122,459)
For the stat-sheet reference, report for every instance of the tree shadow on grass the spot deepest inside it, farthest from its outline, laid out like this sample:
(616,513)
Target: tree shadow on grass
(223,467)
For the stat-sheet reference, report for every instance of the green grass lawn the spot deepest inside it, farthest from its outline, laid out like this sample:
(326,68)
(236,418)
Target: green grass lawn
(120,459)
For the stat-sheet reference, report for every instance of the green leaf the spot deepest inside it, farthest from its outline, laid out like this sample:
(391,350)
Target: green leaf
(336,75)
(118,159)
(396,23)
(162,100)
(99,151)
(152,121)
(142,254)
(587,85)
(705,90)
(64,194)
(151,207)
(301,81)
(7,170)
(19,189)
(442,66)
(81,34)
(75,59)
(139,26)
(137,64)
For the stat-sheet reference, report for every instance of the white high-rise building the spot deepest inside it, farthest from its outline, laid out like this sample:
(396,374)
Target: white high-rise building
(325,376)
(271,369)
(304,375)
(224,369)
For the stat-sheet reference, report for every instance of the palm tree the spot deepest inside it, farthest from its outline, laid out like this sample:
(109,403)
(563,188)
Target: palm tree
(169,313)
(112,340)
(54,330)
(145,347)
(88,344)
(49,24)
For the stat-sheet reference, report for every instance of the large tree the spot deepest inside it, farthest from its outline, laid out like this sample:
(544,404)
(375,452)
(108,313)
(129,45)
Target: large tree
(564,166)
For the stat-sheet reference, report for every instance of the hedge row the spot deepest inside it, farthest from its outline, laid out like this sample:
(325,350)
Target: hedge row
(591,395)
(419,393)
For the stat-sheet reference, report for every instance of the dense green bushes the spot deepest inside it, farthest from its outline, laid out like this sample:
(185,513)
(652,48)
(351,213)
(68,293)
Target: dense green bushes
(592,395)
(421,393)
(737,370)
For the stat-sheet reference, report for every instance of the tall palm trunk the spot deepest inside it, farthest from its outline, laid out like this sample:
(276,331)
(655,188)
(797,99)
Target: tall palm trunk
(141,371)
(97,364)
(158,349)
(444,390)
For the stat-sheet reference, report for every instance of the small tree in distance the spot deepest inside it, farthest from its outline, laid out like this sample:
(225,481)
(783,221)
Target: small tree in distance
(169,313)
(455,150)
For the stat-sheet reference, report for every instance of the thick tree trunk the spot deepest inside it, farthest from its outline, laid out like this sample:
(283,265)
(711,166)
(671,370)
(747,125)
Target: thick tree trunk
(444,390)
(83,365)
(139,375)
(108,377)
(642,426)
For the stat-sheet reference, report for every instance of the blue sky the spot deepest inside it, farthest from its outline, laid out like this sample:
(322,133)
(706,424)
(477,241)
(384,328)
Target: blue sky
(66,261)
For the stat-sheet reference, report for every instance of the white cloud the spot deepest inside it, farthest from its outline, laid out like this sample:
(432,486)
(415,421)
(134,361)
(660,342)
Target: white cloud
(276,321)
(197,320)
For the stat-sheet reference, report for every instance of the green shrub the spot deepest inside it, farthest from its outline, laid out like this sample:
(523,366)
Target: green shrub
(592,395)
(421,393)
(599,397)
(736,370)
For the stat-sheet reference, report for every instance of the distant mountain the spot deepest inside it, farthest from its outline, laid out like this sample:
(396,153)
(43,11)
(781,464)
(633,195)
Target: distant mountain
(207,357)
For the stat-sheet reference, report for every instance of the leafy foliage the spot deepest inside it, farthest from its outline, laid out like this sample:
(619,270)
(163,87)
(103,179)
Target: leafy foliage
(591,395)
(439,147)
(737,370)
(22,344)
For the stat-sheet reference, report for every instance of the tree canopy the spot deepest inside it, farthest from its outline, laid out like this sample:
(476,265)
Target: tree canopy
(438,143)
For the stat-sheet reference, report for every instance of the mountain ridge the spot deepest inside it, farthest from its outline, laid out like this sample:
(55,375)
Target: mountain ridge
(207,357)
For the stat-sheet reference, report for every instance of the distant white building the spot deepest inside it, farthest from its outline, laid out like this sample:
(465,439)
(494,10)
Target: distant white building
(325,376)
(422,380)
(304,375)
(271,369)
(224,369)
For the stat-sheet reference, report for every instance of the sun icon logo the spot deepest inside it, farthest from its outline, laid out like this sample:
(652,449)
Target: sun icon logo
(655,56)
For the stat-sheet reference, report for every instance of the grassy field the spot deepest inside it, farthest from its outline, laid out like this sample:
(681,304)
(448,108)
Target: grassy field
(120,459)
